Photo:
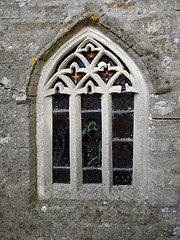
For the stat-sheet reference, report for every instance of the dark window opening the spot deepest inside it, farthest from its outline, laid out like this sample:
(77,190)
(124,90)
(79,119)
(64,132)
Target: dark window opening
(61,160)
(91,138)
(122,138)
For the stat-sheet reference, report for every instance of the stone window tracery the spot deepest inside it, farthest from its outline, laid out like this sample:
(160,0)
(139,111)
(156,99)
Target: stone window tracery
(88,100)
(90,71)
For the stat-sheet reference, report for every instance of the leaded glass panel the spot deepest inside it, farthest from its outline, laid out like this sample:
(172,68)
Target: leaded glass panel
(122,102)
(76,76)
(61,175)
(77,60)
(61,139)
(122,137)
(122,124)
(122,177)
(90,102)
(90,55)
(121,81)
(61,161)
(107,60)
(123,154)
(91,138)
(60,102)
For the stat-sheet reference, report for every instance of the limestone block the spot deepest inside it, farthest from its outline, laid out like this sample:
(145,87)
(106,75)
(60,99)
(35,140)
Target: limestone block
(163,197)
(168,214)
(19,159)
(169,45)
(166,106)
(3,26)
(156,25)
(164,160)
(154,6)
(147,232)
(176,5)
(9,56)
(30,12)
(19,177)
(156,178)
(20,141)
(9,11)
(122,7)
(55,11)
(172,177)
(12,74)
(18,196)
(159,145)
(31,25)
(175,72)
(164,128)
(160,80)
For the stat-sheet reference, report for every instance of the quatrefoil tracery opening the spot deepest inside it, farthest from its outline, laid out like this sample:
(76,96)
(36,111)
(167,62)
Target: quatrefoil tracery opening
(90,65)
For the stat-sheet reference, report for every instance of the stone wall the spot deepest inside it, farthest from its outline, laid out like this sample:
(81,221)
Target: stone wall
(33,30)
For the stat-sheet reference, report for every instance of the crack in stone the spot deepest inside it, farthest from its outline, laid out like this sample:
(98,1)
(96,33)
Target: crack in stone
(15,90)
(12,89)
(164,118)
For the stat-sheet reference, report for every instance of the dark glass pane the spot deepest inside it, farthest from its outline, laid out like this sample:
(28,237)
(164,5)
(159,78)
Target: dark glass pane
(90,55)
(122,102)
(92,175)
(124,65)
(90,101)
(61,139)
(59,81)
(61,162)
(122,177)
(122,154)
(60,101)
(61,175)
(90,79)
(63,58)
(121,81)
(77,60)
(76,76)
(107,59)
(122,128)
(91,137)
(122,125)
(106,74)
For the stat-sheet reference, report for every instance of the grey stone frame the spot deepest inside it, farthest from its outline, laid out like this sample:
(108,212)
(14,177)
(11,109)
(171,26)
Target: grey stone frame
(77,190)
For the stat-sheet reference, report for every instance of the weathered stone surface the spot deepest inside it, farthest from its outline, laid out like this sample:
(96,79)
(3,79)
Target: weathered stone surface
(121,7)
(149,32)
(157,25)
(156,6)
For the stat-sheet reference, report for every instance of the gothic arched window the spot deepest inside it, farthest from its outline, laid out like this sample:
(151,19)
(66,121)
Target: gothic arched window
(86,117)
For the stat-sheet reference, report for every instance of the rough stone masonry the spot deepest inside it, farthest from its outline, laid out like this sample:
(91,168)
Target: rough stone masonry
(30,32)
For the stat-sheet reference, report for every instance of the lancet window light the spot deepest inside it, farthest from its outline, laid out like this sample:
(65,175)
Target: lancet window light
(91,121)
(105,86)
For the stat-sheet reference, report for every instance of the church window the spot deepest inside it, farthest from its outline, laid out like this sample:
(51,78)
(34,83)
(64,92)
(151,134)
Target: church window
(88,99)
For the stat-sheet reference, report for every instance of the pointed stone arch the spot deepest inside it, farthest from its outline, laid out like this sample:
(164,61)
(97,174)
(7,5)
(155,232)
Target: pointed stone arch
(55,76)
(89,37)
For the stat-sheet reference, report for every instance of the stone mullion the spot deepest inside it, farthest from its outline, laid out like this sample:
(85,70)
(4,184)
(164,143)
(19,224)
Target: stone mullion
(106,142)
(75,142)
